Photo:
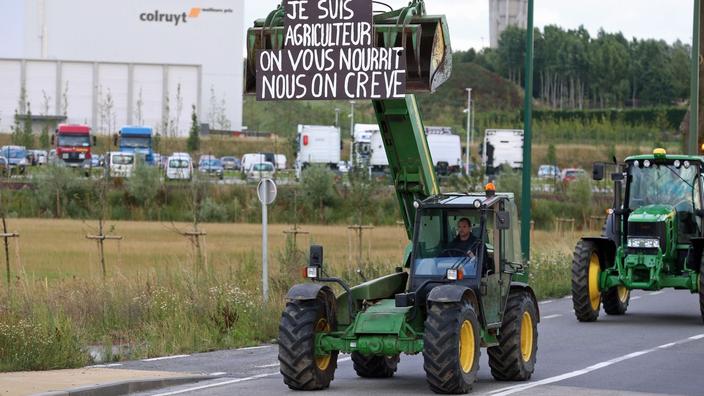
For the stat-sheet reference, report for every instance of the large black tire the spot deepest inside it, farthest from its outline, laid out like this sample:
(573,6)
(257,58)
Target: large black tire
(375,366)
(701,290)
(451,347)
(586,297)
(615,300)
(301,369)
(514,358)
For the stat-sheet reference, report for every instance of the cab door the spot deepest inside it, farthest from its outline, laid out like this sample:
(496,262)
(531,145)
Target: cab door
(491,284)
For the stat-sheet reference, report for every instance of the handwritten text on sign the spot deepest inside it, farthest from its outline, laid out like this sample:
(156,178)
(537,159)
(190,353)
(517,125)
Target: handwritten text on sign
(330,54)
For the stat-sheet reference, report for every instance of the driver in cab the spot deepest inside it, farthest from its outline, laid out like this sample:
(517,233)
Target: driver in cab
(464,244)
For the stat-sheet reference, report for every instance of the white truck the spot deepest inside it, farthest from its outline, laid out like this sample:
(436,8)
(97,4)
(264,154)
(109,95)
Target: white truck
(445,149)
(317,145)
(377,159)
(361,144)
(504,146)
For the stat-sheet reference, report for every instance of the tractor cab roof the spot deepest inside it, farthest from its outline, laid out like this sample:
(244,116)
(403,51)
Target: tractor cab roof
(462,200)
(660,154)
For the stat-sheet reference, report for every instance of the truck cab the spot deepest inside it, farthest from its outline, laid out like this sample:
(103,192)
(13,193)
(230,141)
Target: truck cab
(137,140)
(73,145)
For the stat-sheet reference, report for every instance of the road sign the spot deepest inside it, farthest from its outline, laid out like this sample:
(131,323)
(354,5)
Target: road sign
(266,191)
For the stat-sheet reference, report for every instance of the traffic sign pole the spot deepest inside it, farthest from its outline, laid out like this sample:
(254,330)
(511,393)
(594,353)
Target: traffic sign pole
(266,192)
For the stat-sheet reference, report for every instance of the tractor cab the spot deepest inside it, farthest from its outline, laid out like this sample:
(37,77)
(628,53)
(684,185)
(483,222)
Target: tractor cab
(441,253)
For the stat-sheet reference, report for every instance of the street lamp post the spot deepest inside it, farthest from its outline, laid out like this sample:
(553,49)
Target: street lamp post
(352,103)
(337,117)
(469,130)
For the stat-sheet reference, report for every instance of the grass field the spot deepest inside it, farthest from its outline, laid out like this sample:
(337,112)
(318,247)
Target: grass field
(156,301)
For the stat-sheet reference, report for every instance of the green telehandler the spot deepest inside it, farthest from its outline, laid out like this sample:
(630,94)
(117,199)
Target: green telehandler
(445,302)
(652,238)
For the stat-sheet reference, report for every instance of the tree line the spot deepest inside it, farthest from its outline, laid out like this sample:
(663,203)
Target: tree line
(573,70)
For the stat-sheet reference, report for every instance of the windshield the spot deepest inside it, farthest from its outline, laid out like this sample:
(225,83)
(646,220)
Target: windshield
(135,142)
(445,240)
(662,184)
(178,163)
(263,167)
(121,159)
(210,163)
(74,140)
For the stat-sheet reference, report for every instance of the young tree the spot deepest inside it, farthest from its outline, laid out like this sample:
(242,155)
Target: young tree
(193,141)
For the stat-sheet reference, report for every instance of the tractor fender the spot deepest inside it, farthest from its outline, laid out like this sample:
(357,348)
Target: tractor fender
(308,291)
(606,248)
(524,287)
(455,294)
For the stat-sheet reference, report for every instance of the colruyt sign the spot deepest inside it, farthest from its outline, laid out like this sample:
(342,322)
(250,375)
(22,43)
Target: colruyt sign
(330,53)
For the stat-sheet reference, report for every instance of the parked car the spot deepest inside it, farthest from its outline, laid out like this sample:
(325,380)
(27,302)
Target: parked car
(231,163)
(179,167)
(571,174)
(16,157)
(342,167)
(211,167)
(120,164)
(548,171)
(261,170)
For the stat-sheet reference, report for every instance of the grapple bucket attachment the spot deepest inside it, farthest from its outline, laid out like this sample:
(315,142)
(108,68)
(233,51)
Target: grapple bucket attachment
(425,38)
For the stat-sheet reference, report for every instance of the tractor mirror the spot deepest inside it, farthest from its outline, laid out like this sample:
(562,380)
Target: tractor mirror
(316,256)
(503,220)
(598,171)
(52,139)
(95,140)
(114,139)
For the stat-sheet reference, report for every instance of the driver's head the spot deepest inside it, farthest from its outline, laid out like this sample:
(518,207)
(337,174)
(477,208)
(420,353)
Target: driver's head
(464,228)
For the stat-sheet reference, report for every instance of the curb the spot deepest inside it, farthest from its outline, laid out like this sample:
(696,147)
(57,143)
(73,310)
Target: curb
(127,387)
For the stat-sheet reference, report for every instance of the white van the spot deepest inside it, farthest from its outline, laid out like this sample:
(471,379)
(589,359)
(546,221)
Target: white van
(506,147)
(250,159)
(317,145)
(445,149)
(280,161)
(179,166)
(378,160)
(120,164)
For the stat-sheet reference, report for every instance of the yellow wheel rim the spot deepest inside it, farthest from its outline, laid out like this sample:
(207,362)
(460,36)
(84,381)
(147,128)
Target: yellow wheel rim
(594,271)
(466,346)
(322,362)
(526,336)
(622,294)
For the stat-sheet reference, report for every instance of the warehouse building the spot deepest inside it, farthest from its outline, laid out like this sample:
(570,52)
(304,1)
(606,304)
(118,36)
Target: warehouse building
(109,64)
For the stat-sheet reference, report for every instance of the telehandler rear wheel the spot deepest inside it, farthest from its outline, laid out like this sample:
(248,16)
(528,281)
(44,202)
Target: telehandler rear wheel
(300,367)
(586,268)
(616,300)
(451,347)
(375,366)
(514,358)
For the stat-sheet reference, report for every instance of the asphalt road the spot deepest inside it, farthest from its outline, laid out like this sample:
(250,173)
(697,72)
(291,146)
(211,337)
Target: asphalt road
(656,348)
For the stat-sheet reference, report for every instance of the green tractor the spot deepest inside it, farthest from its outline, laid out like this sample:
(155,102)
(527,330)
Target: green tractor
(449,299)
(446,306)
(652,238)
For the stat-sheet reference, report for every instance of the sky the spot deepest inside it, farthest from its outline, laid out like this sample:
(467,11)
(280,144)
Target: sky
(668,20)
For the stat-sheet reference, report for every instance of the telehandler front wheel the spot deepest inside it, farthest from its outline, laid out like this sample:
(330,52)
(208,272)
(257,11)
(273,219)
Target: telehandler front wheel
(375,366)
(451,347)
(300,367)
(586,268)
(616,300)
(514,358)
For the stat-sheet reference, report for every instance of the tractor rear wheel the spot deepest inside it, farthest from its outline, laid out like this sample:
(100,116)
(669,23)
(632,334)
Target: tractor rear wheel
(375,366)
(701,290)
(300,367)
(616,300)
(514,358)
(586,268)
(451,347)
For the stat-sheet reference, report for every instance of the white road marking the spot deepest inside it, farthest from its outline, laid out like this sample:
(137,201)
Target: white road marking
(552,316)
(656,293)
(254,347)
(268,365)
(520,388)
(223,383)
(545,302)
(635,298)
(218,373)
(105,365)
(165,358)
(566,297)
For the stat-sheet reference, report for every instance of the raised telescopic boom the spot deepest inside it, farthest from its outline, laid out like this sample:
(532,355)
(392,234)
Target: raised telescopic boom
(428,53)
